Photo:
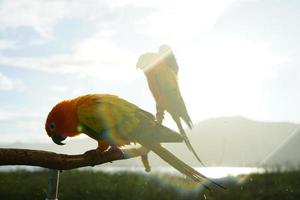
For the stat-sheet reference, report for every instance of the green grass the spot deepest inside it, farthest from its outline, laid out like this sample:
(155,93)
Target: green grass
(134,186)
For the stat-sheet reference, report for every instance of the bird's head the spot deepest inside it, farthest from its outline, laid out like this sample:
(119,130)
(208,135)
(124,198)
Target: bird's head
(60,123)
(164,49)
(147,60)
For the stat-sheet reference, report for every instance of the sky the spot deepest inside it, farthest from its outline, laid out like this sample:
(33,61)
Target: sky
(236,57)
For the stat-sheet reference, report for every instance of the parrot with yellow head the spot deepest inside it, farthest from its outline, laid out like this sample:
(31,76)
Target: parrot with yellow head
(115,122)
(161,71)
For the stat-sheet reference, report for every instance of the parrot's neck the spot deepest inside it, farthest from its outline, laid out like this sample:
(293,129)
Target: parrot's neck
(149,70)
(71,121)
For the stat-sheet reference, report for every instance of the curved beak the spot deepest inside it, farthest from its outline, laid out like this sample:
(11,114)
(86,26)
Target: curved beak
(57,139)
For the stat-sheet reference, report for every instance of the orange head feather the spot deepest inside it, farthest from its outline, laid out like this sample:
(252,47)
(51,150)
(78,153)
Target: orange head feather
(62,121)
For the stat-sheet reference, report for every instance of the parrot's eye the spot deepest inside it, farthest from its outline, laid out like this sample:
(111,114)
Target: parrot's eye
(52,126)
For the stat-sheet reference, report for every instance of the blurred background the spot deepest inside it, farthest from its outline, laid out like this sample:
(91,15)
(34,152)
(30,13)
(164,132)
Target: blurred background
(239,72)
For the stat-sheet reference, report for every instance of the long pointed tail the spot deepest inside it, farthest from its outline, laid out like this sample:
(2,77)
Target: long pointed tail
(187,141)
(190,147)
(180,165)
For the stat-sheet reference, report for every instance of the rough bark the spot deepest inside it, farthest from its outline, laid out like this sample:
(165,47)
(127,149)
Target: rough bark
(53,160)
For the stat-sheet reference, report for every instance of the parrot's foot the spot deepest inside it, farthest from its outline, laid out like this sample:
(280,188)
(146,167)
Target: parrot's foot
(94,151)
(91,152)
(98,151)
(134,152)
(102,146)
(113,148)
(160,112)
(142,151)
(144,156)
(145,162)
(116,149)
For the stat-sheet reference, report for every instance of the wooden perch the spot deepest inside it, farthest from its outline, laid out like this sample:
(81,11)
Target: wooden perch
(53,160)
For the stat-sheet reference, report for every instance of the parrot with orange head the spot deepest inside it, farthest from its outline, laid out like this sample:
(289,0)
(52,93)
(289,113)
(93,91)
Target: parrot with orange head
(161,71)
(115,122)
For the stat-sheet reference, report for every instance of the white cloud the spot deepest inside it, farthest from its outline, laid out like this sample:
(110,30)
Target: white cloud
(40,15)
(18,114)
(227,77)
(7,44)
(8,84)
(97,56)
(22,124)
(43,16)
(175,17)
(23,130)
(177,22)
(100,55)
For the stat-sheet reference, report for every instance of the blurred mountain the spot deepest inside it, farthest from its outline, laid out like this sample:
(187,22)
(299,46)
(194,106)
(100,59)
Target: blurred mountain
(286,154)
(223,141)
(238,141)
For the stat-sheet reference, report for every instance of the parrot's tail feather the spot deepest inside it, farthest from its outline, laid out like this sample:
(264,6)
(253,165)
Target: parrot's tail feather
(167,135)
(181,166)
(189,123)
(187,141)
(185,117)
(190,147)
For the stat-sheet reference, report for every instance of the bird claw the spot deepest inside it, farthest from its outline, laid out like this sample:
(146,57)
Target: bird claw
(91,152)
(114,148)
(146,162)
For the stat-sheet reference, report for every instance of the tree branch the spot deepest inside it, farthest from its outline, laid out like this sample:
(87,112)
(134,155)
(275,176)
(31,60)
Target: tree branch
(62,161)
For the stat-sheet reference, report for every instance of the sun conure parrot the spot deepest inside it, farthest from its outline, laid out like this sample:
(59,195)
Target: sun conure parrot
(113,121)
(161,71)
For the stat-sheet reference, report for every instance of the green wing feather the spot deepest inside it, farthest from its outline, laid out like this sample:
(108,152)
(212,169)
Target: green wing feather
(167,82)
(107,117)
(171,61)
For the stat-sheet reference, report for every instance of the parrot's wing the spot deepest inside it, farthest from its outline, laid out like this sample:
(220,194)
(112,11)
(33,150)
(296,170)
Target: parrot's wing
(167,83)
(118,121)
(149,130)
(107,117)
(169,58)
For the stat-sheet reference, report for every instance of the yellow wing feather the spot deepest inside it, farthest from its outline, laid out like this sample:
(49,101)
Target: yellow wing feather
(167,82)
(108,117)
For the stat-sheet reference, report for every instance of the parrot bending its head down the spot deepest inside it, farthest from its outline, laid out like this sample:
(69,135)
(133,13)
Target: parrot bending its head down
(114,122)
(161,71)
